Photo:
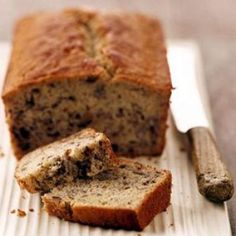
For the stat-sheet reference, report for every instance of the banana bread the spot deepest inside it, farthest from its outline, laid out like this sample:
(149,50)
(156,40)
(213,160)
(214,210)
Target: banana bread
(74,69)
(80,155)
(127,197)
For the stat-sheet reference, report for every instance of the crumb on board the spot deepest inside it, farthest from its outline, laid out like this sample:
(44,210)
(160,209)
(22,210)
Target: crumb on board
(182,149)
(1,152)
(13,211)
(31,210)
(172,224)
(21,213)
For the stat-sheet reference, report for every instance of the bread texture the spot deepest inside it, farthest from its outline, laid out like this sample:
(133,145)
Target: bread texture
(127,197)
(81,155)
(75,69)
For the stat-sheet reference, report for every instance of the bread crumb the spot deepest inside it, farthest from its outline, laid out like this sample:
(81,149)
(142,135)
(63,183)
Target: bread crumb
(31,209)
(172,224)
(1,153)
(21,213)
(13,211)
(182,149)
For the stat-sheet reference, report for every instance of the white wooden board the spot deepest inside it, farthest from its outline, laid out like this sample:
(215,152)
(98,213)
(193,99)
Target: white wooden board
(189,213)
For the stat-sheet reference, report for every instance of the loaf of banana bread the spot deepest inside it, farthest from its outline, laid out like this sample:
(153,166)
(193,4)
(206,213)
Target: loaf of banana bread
(74,69)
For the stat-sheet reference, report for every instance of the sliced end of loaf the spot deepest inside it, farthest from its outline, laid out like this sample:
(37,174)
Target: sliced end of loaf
(133,117)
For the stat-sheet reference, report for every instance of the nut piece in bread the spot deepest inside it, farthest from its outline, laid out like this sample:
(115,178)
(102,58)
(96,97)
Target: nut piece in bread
(81,155)
(127,197)
(75,69)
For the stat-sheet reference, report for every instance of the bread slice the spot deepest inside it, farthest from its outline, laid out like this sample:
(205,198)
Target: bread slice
(127,197)
(74,69)
(83,154)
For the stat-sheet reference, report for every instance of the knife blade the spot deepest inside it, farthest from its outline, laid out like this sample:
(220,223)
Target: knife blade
(213,178)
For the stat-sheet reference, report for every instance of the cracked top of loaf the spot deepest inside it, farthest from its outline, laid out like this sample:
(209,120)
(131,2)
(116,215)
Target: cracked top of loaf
(81,44)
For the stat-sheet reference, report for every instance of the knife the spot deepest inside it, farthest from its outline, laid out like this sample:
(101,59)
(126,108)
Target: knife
(213,178)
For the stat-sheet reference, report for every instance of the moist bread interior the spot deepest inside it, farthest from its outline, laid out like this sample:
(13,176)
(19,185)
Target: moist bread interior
(121,187)
(128,115)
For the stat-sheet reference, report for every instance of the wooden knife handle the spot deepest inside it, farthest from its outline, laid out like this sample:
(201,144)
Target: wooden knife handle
(213,178)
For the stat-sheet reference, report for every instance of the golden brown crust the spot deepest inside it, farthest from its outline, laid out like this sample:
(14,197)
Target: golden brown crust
(80,44)
(94,216)
(49,46)
(155,202)
(17,151)
(132,219)
(27,185)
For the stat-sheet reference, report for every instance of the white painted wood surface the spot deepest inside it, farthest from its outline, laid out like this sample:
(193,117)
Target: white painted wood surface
(188,214)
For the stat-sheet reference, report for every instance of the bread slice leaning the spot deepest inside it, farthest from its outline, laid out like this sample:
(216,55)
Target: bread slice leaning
(128,197)
(83,154)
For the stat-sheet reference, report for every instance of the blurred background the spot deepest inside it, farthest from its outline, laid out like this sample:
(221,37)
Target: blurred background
(211,23)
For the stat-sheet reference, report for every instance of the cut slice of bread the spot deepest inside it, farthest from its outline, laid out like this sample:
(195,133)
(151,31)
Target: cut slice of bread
(128,197)
(83,154)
